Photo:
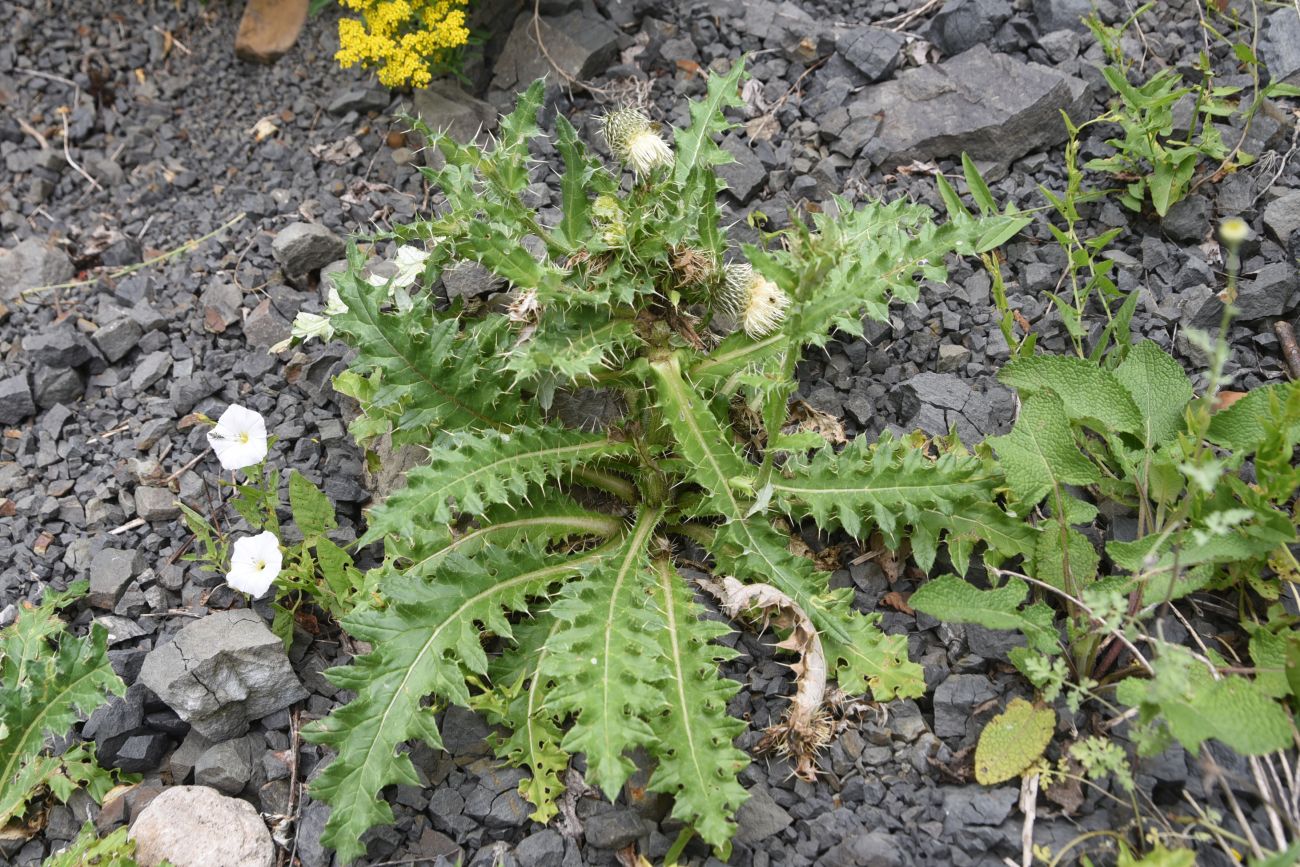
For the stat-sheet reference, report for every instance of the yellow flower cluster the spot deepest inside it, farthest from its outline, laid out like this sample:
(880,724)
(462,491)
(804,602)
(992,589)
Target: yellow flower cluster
(408,40)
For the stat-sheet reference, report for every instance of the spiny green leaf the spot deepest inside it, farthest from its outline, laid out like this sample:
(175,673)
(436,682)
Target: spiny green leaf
(605,663)
(1012,741)
(424,642)
(1159,388)
(1040,452)
(694,145)
(1089,393)
(698,765)
(475,470)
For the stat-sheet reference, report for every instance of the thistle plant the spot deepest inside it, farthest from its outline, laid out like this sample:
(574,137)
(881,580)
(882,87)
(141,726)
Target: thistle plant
(530,565)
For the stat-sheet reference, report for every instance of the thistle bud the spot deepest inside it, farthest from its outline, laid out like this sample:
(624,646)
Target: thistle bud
(632,138)
(757,304)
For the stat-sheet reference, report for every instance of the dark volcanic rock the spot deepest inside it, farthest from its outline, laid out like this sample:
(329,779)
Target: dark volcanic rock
(990,106)
(964,24)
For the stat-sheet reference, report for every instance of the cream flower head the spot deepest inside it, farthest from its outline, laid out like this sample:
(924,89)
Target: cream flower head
(255,563)
(757,304)
(239,438)
(632,138)
(1233,231)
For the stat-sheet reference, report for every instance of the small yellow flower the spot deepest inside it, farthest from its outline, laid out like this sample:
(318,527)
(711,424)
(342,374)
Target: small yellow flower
(1233,231)
(408,40)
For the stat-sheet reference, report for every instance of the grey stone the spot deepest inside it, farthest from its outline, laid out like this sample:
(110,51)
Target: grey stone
(760,817)
(226,767)
(115,339)
(54,385)
(1061,45)
(183,759)
(1062,15)
(798,36)
(156,504)
(954,702)
(311,826)
(194,826)
(746,175)
(141,752)
(120,715)
(470,280)
(221,302)
(990,106)
(303,247)
(1282,216)
(952,357)
(977,805)
(543,849)
(581,44)
(992,643)
(187,392)
(963,24)
(30,264)
(875,51)
(1271,292)
(111,570)
(360,99)
(945,400)
(220,672)
(1187,221)
(865,849)
(1280,48)
(16,402)
(264,327)
(614,829)
(434,845)
(58,347)
(150,369)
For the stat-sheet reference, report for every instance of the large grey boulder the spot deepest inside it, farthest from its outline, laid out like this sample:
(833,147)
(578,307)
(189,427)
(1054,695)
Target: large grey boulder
(580,43)
(221,672)
(30,264)
(194,826)
(988,105)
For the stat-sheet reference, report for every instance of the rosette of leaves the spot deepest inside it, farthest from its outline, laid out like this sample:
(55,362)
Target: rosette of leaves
(530,565)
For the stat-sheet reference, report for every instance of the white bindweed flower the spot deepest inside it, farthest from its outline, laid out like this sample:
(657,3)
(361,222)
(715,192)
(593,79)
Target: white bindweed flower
(634,140)
(757,304)
(255,563)
(239,438)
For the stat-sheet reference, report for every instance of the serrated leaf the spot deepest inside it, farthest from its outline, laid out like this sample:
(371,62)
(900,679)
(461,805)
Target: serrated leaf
(1088,392)
(1244,425)
(424,641)
(470,471)
(1012,741)
(694,145)
(1159,388)
(953,600)
(1040,452)
(606,664)
(698,765)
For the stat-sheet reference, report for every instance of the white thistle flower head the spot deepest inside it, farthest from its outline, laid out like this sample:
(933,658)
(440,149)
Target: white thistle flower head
(239,438)
(757,304)
(633,139)
(255,563)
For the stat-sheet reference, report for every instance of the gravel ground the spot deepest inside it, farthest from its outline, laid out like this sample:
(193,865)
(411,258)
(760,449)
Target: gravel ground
(170,139)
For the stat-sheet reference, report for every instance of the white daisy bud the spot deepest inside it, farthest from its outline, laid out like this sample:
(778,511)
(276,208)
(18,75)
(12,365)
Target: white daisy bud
(633,140)
(757,304)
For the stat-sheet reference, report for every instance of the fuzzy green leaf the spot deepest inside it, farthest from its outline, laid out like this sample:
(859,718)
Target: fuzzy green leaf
(953,600)
(1089,393)
(470,471)
(312,510)
(1159,388)
(1012,741)
(1040,452)
(698,765)
(858,655)
(1244,425)
(1051,554)
(424,642)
